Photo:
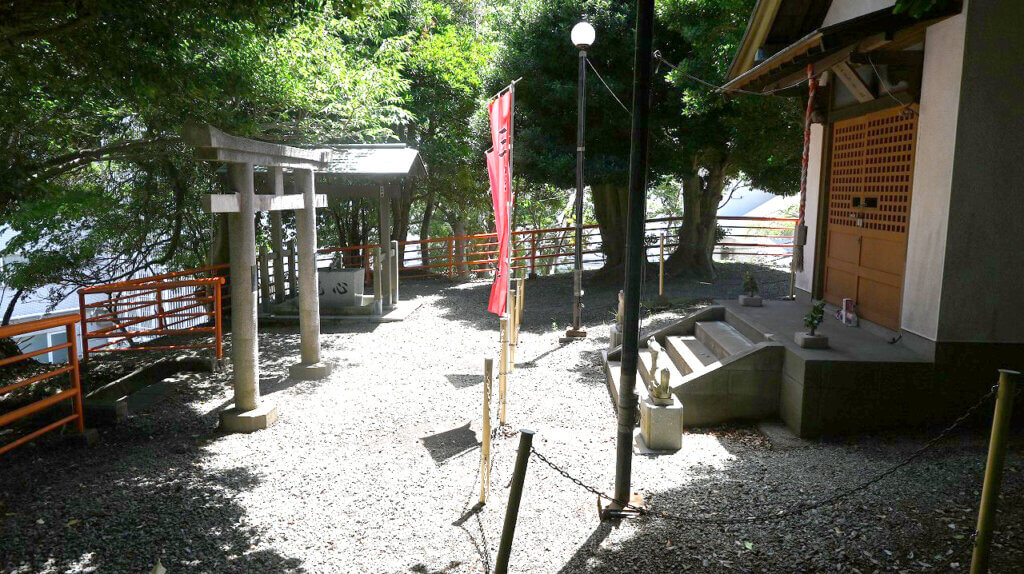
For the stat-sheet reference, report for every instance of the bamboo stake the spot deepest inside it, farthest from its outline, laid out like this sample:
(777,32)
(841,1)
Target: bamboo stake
(502,367)
(511,325)
(994,470)
(485,448)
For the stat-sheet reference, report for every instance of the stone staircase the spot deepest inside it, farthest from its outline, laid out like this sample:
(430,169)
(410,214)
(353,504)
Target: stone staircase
(720,368)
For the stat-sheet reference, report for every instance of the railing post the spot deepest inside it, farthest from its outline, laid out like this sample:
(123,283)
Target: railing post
(660,267)
(994,469)
(76,377)
(161,320)
(82,312)
(485,447)
(218,325)
(515,495)
(264,280)
(395,264)
(378,303)
(291,267)
(451,258)
(533,254)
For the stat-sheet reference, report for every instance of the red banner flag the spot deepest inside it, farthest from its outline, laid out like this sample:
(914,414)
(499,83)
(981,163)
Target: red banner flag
(499,200)
(500,111)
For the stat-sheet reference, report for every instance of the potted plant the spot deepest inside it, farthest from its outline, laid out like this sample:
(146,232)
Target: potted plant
(752,297)
(812,320)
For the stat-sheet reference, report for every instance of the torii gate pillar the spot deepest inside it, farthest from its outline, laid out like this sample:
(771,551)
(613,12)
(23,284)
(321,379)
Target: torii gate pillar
(248,413)
(310,366)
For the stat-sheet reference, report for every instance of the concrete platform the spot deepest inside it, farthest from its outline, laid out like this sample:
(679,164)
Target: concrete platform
(399,313)
(310,372)
(233,420)
(861,382)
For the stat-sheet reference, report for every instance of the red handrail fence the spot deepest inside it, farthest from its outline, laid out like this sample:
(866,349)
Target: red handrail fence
(534,249)
(182,303)
(73,393)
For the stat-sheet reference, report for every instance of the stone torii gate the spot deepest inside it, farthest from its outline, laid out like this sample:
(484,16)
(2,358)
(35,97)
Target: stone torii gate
(241,154)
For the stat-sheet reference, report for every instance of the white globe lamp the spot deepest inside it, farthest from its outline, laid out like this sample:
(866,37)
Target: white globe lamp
(582,35)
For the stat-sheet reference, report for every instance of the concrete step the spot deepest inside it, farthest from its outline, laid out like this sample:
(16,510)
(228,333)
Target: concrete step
(723,339)
(612,376)
(643,368)
(688,354)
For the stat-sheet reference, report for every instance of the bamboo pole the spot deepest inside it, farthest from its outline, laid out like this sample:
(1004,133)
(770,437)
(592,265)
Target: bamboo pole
(511,326)
(502,367)
(994,470)
(485,448)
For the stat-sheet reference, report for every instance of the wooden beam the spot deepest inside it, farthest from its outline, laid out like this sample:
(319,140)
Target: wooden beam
(853,82)
(214,145)
(228,202)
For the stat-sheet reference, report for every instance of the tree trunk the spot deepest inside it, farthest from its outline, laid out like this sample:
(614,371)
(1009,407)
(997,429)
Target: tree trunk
(428,214)
(459,229)
(610,210)
(10,308)
(701,196)
(400,214)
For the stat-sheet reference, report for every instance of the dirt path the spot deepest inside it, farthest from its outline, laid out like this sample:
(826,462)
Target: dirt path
(376,470)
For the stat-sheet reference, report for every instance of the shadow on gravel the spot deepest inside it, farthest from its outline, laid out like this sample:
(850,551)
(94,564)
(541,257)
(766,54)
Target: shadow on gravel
(465,381)
(143,493)
(446,445)
(914,521)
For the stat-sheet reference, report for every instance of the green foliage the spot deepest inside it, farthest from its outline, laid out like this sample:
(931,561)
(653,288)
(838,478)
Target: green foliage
(93,96)
(815,316)
(919,8)
(750,286)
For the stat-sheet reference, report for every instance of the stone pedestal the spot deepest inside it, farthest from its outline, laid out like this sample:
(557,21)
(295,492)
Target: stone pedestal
(614,337)
(662,425)
(808,341)
(341,287)
(310,372)
(234,420)
(750,301)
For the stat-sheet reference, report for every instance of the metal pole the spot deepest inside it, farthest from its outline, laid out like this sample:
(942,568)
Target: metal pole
(635,248)
(514,496)
(994,469)
(577,274)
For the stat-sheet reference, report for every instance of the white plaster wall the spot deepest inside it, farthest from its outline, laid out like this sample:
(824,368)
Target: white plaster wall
(843,10)
(805,278)
(933,175)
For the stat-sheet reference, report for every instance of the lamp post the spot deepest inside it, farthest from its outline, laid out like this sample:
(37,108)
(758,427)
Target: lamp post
(582,36)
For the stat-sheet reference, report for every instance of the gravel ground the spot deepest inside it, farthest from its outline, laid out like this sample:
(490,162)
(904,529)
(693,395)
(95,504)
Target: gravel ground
(376,469)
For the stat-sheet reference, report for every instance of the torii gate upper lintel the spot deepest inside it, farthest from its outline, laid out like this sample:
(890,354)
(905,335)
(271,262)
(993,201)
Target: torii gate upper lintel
(241,154)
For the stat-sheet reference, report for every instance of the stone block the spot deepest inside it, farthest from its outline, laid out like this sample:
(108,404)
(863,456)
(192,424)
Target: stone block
(341,287)
(808,341)
(310,372)
(662,426)
(614,337)
(750,301)
(233,420)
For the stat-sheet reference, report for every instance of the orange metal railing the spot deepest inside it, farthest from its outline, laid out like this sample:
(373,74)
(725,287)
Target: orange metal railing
(187,302)
(73,393)
(536,249)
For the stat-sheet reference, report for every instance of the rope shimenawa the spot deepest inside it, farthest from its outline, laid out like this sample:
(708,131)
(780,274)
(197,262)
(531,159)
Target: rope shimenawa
(781,514)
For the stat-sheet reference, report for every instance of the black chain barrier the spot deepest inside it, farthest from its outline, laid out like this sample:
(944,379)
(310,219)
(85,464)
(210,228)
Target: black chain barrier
(781,514)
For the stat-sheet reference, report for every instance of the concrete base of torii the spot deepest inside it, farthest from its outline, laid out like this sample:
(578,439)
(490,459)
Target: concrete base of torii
(233,420)
(310,372)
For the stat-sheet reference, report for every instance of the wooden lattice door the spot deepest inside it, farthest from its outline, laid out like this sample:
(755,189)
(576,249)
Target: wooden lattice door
(868,212)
